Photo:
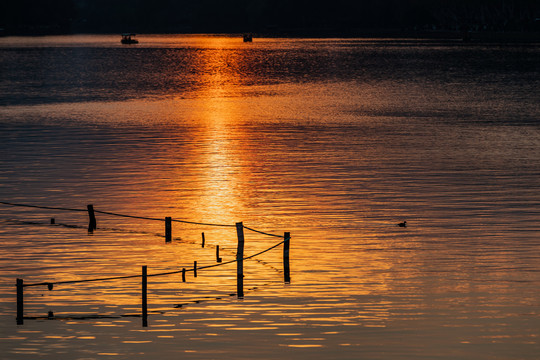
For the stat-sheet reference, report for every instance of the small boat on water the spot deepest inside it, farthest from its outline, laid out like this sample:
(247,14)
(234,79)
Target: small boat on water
(128,39)
(248,37)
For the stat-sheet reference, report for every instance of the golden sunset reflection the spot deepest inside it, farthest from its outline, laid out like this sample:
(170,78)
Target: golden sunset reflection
(335,141)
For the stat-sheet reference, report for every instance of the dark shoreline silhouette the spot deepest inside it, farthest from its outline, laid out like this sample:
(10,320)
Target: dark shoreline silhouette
(484,20)
(450,37)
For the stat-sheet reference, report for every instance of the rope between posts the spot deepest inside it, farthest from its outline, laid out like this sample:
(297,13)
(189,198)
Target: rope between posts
(42,207)
(198,223)
(138,217)
(127,216)
(158,219)
(149,275)
(114,214)
(262,232)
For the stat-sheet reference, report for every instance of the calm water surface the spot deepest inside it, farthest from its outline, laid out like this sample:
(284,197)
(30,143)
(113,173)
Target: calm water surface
(334,140)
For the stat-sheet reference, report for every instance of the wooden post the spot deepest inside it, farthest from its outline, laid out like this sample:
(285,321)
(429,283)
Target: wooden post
(92,225)
(183,274)
(144,297)
(202,239)
(194,269)
(168,229)
(52,221)
(286,247)
(20,302)
(240,261)
(218,259)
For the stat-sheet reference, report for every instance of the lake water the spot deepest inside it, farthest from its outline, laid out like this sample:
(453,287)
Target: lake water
(333,140)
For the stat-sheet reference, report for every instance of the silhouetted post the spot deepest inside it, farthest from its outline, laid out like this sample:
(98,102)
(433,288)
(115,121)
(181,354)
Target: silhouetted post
(52,221)
(240,261)
(168,229)
(194,269)
(286,247)
(183,274)
(218,259)
(144,297)
(202,239)
(92,225)
(20,302)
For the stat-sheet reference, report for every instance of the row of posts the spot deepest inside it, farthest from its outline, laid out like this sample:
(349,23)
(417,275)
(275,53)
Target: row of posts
(144,275)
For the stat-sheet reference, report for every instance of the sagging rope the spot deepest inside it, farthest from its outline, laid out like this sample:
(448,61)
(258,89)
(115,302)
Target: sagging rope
(50,284)
(262,232)
(137,217)
(156,219)
(42,207)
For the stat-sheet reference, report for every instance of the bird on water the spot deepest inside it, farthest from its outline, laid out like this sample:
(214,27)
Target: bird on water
(402,224)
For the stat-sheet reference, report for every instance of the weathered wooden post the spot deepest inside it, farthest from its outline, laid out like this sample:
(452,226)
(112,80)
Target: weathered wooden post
(20,302)
(286,247)
(194,269)
(218,259)
(92,225)
(240,261)
(183,274)
(52,221)
(168,229)
(144,297)
(202,240)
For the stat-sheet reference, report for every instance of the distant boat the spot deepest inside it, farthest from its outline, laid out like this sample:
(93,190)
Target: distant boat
(248,38)
(128,39)
(403,224)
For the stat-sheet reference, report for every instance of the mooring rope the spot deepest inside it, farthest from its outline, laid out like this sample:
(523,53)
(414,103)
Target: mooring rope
(115,214)
(51,283)
(138,217)
(41,207)
(262,232)
(128,216)
(158,219)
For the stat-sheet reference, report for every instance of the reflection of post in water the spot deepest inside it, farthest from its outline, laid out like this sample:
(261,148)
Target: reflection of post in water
(240,261)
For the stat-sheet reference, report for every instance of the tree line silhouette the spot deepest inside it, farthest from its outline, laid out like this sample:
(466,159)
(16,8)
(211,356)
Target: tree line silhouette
(265,16)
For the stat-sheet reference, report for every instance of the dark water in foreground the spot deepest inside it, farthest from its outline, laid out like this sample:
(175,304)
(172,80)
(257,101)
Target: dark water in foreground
(333,140)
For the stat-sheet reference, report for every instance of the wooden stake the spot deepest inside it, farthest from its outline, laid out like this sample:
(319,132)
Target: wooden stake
(183,274)
(194,269)
(52,221)
(286,247)
(218,259)
(92,225)
(240,261)
(144,297)
(202,239)
(168,229)
(20,302)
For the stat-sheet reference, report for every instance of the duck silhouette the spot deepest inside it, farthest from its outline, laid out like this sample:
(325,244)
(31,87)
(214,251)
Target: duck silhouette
(402,224)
